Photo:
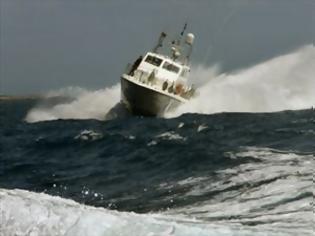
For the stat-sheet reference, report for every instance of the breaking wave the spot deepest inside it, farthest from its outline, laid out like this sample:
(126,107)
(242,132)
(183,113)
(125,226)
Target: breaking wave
(282,83)
(27,213)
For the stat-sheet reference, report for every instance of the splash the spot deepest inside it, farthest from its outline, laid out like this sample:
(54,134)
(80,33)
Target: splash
(83,104)
(282,83)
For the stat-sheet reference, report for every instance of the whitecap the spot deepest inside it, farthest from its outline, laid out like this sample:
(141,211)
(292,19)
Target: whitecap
(89,135)
(170,136)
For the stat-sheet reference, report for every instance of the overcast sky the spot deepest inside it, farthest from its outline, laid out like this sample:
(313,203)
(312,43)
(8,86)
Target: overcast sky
(51,44)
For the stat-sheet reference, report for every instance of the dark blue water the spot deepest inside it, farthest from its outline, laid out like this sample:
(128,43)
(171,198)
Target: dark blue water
(153,164)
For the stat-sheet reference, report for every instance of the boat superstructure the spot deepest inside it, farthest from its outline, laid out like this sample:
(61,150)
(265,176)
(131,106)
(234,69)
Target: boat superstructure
(157,82)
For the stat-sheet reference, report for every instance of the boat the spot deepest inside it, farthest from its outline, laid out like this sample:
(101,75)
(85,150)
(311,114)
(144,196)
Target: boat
(157,82)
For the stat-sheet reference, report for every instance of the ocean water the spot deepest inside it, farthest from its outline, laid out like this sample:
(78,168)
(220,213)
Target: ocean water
(235,162)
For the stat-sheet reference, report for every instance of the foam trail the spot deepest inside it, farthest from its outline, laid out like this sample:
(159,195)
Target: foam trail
(84,105)
(27,213)
(285,82)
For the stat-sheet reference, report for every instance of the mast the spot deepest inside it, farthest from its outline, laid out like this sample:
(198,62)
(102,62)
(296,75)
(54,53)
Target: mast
(160,42)
(177,46)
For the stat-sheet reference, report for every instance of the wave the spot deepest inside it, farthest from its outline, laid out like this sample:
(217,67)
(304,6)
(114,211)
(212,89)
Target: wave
(272,180)
(260,193)
(283,83)
(28,213)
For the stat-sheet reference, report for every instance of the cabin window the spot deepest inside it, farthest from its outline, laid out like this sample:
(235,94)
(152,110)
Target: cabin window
(171,67)
(153,60)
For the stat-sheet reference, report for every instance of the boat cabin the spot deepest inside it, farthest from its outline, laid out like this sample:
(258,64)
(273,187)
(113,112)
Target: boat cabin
(164,67)
(166,71)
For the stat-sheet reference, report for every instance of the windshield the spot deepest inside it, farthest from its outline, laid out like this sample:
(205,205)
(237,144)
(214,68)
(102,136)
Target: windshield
(153,60)
(171,67)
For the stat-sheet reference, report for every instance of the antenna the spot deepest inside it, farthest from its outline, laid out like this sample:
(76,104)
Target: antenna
(177,44)
(182,34)
(183,31)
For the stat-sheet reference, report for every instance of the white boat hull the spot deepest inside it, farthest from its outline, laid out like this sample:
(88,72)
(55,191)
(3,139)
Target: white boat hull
(140,99)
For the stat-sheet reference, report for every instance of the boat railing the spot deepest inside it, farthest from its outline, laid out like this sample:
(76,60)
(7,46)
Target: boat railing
(146,78)
(128,69)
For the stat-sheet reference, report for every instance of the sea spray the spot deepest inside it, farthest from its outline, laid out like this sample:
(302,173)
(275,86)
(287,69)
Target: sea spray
(84,105)
(284,82)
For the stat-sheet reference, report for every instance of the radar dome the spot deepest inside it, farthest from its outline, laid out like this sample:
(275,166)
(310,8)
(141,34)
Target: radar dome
(190,39)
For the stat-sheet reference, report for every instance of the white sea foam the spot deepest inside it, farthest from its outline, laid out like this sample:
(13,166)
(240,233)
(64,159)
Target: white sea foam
(27,213)
(284,82)
(273,193)
(170,136)
(89,135)
(201,128)
(86,105)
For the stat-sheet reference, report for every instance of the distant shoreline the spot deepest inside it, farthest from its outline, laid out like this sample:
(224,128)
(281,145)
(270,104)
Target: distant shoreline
(14,98)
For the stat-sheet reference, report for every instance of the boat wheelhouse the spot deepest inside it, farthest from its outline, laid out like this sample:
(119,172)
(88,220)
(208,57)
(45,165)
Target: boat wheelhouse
(157,82)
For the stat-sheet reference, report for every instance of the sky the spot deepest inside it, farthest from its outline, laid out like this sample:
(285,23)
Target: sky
(46,45)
